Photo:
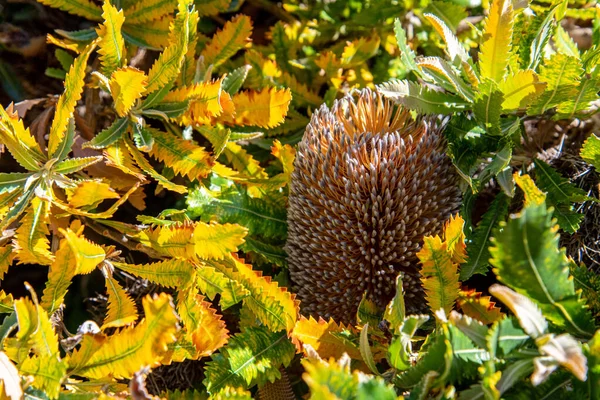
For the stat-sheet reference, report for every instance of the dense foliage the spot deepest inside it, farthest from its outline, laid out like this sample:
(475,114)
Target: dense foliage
(157,183)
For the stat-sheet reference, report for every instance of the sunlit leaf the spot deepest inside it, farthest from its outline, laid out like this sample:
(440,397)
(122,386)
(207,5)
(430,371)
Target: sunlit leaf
(497,36)
(234,36)
(111,44)
(121,308)
(126,86)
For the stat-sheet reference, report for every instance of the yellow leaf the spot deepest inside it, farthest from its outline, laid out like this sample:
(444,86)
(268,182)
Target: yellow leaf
(87,254)
(31,244)
(215,241)
(111,44)
(156,34)
(234,36)
(89,194)
(60,274)
(265,109)
(205,102)
(48,373)
(212,7)
(286,154)
(84,8)
(473,304)
(6,257)
(520,89)
(65,107)
(121,309)
(118,156)
(149,10)
(19,141)
(126,86)
(497,36)
(439,274)
(67,44)
(454,238)
(183,156)
(6,302)
(132,348)
(318,334)
(90,344)
(533,195)
(359,51)
(205,328)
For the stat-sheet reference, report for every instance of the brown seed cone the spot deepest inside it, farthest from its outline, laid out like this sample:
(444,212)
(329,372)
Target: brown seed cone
(369,182)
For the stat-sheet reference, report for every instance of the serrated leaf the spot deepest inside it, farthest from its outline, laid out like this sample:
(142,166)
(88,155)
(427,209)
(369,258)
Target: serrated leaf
(479,307)
(265,109)
(449,12)
(495,49)
(520,89)
(109,135)
(88,255)
(170,273)
(72,165)
(212,282)
(153,36)
(454,48)
(542,37)
(35,332)
(318,334)
(184,157)
(561,74)
(444,75)
(527,312)
(121,308)
(111,44)
(47,372)
(455,238)
(407,55)
(204,327)
(166,68)
(226,42)
(132,348)
(251,357)
(126,86)
(488,107)
(234,80)
(141,161)
(60,274)
(19,141)
(65,107)
(6,258)
(439,274)
(149,10)
(526,257)
(590,151)
(12,181)
(204,102)
(580,102)
(83,8)
(422,99)
(31,244)
(478,248)
(533,195)
(90,343)
(432,360)
(359,51)
(89,194)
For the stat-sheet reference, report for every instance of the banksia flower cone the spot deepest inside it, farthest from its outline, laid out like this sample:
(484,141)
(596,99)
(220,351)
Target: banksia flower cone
(369,182)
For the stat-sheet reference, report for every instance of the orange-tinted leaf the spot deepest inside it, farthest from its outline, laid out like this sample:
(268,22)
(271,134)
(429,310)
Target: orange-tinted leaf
(265,109)
(234,36)
(473,304)
(90,193)
(318,335)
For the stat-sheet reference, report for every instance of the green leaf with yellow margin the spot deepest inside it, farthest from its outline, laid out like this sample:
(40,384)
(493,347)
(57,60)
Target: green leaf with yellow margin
(6,303)
(252,356)
(165,69)
(88,255)
(111,45)
(497,37)
(48,373)
(590,151)
(90,344)
(60,274)
(121,308)
(19,141)
(65,107)
(83,8)
(439,274)
(124,353)
(170,273)
(527,258)
(533,195)
(126,86)
(71,165)
(234,36)
(31,244)
(149,10)
(183,156)
(212,282)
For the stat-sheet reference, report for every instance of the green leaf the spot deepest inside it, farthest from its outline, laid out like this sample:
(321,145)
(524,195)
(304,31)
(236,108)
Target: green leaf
(11,181)
(212,282)
(83,8)
(251,357)
(271,253)
(488,107)
(422,99)
(170,273)
(142,137)
(579,104)
(234,80)
(75,164)
(111,44)
(65,107)
(478,241)
(433,359)
(109,135)
(526,257)
(365,349)
(149,10)
(448,11)
(457,53)
(541,39)
(590,151)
